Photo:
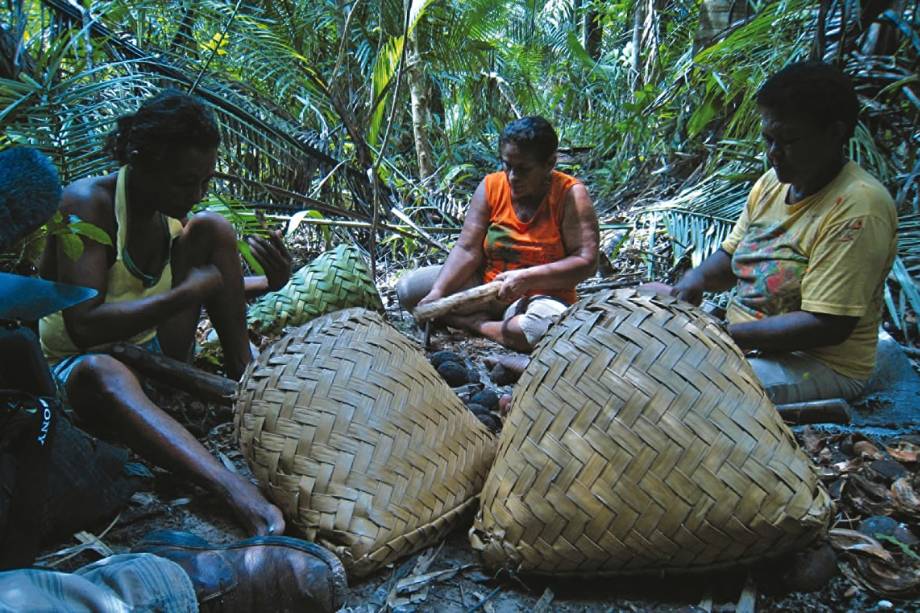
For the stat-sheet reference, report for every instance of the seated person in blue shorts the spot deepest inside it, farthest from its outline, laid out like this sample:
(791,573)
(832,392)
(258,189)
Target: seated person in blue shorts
(170,571)
(160,269)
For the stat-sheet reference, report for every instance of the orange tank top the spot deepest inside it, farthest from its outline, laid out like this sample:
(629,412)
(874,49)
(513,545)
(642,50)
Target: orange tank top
(511,244)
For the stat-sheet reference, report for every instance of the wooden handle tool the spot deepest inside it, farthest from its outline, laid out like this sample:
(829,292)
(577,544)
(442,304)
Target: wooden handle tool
(439,308)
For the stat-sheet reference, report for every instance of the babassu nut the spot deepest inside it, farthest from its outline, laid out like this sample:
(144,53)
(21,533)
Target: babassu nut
(486,398)
(478,409)
(439,357)
(453,373)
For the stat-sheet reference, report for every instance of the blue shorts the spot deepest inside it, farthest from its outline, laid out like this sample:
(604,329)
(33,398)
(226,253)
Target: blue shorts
(62,370)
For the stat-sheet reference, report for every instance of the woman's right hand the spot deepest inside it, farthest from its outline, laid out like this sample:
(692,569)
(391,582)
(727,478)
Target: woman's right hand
(690,288)
(202,281)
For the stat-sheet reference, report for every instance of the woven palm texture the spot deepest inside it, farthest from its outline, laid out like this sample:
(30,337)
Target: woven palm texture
(359,441)
(639,440)
(336,279)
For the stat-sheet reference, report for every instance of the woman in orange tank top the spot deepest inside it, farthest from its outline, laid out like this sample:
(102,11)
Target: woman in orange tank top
(530,227)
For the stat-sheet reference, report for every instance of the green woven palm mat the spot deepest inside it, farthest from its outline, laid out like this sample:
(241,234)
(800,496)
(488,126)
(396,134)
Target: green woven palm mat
(336,279)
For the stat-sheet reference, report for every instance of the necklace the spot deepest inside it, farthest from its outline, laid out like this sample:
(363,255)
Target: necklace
(147,280)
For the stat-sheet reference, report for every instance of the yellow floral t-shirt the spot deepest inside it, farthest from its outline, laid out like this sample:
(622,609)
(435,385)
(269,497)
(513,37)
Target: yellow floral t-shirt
(829,253)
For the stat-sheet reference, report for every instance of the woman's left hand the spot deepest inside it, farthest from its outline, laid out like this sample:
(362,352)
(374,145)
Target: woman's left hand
(514,284)
(274,258)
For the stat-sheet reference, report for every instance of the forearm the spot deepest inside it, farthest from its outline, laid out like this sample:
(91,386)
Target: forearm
(795,331)
(255,286)
(115,321)
(713,275)
(563,274)
(460,265)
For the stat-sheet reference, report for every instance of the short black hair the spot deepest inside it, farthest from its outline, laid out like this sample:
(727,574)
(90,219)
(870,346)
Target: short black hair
(168,119)
(533,134)
(815,90)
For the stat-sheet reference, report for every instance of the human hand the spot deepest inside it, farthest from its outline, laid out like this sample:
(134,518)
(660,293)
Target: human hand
(431,297)
(688,292)
(691,294)
(202,281)
(515,284)
(274,258)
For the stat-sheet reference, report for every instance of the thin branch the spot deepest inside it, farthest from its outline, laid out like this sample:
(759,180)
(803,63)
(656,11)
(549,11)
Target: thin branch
(217,45)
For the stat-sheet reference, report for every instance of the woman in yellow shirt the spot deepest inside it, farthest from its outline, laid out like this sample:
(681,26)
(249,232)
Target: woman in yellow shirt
(812,248)
(153,279)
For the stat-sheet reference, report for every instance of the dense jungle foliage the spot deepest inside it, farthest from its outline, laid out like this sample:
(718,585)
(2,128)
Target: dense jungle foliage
(372,121)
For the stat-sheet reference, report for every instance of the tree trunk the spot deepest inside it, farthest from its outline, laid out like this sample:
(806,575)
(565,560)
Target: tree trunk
(448,304)
(715,17)
(636,61)
(418,94)
(594,33)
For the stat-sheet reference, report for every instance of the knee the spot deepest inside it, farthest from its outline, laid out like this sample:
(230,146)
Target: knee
(403,293)
(516,336)
(532,328)
(415,285)
(96,378)
(211,230)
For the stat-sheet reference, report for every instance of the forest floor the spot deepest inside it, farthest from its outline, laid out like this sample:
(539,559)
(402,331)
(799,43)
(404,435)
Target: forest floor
(858,470)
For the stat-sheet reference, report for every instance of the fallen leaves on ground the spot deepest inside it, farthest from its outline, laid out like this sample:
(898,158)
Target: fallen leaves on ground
(875,487)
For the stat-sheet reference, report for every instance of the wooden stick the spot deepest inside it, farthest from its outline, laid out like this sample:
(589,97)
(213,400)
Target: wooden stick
(177,374)
(832,410)
(445,305)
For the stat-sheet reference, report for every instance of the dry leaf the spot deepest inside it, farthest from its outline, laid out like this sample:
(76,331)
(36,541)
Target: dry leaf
(904,452)
(848,466)
(855,542)
(905,498)
(811,441)
(866,563)
(866,449)
(884,579)
(865,496)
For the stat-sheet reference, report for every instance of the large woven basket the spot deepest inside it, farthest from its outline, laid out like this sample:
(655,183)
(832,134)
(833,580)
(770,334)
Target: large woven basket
(336,279)
(639,440)
(359,441)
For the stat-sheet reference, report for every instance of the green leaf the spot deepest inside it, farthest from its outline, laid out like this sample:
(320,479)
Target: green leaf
(72,245)
(246,252)
(91,231)
(384,69)
(416,11)
(701,118)
(578,51)
(904,547)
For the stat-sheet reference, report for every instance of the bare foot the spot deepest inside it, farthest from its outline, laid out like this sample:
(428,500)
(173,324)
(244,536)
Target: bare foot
(471,322)
(258,515)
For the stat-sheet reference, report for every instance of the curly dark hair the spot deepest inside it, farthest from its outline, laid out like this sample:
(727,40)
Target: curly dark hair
(533,134)
(815,90)
(168,119)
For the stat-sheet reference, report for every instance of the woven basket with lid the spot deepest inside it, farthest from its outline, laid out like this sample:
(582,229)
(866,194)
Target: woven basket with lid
(639,440)
(359,441)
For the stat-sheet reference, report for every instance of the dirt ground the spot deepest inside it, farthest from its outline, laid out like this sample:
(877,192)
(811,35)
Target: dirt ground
(171,503)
